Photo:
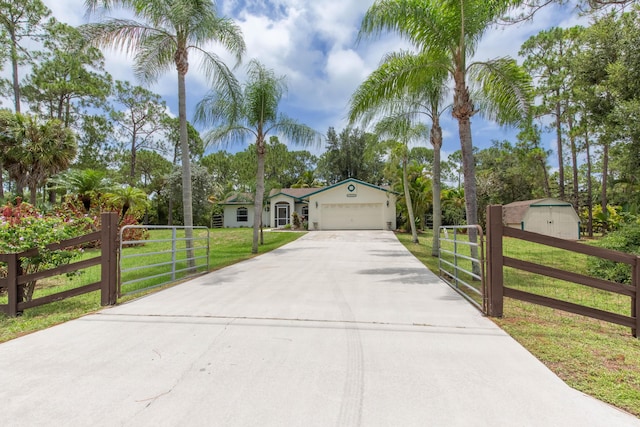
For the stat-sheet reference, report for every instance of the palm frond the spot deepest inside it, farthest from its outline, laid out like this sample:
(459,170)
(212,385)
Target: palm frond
(505,91)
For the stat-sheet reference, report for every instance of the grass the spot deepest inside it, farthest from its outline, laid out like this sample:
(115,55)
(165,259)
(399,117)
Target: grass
(598,358)
(227,246)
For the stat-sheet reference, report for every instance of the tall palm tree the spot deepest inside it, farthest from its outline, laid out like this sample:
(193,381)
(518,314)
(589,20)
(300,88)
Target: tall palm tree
(165,35)
(252,112)
(401,129)
(404,83)
(449,32)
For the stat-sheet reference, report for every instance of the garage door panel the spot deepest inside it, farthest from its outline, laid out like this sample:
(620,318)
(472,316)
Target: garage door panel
(351,216)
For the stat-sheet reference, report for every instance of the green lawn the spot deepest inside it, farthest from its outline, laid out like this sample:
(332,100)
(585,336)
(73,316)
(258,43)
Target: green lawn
(227,246)
(595,357)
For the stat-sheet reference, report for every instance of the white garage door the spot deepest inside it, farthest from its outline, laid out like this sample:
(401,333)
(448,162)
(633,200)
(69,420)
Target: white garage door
(351,216)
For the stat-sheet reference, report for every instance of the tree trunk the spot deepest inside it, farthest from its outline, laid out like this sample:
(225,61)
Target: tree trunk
(589,186)
(436,186)
(605,172)
(257,203)
(560,155)
(187,198)
(407,199)
(1,181)
(14,68)
(33,194)
(463,111)
(132,170)
(574,163)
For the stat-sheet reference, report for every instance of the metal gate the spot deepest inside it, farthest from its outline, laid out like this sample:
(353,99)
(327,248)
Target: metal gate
(461,262)
(161,259)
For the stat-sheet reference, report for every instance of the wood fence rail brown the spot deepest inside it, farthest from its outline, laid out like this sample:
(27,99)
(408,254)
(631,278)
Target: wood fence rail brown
(496,261)
(108,238)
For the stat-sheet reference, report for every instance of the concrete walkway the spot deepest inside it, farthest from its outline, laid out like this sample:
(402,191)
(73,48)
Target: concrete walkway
(335,329)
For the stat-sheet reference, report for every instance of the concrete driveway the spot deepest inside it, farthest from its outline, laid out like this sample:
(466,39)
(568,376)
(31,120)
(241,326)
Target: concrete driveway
(335,329)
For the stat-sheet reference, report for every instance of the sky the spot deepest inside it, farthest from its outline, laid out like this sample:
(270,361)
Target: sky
(314,45)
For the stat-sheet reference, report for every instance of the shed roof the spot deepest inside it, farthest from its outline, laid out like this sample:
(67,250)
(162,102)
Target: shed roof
(514,212)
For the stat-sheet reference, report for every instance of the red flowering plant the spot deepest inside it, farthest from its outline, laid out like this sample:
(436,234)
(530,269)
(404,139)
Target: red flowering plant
(22,228)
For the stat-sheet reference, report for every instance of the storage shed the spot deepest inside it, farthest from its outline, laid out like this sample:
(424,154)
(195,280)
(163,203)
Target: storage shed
(551,217)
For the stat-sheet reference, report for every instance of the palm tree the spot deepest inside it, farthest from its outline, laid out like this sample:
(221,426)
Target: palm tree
(401,129)
(253,112)
(164,36)
(405,83)
(449,32)
(85,184)
(127,198)
(34,151)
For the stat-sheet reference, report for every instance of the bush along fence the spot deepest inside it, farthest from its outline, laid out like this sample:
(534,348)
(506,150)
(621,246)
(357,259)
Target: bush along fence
(497,288)
(18,281)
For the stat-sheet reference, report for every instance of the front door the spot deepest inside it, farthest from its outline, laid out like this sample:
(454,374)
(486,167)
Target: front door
(282,214)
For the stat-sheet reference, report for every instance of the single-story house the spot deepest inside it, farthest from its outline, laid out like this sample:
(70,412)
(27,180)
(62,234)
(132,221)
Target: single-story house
(239,211)
(551,217)
(348,205)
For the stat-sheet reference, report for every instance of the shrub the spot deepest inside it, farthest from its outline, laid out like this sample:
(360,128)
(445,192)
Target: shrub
(626,239)
(22,227)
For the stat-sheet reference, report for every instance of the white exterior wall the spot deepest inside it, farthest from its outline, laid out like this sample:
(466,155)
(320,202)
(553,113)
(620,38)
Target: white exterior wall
(230,217)
(368,199)
(556,221)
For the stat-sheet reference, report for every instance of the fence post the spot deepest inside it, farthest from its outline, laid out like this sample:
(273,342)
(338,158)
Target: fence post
(109,262)
(635,302)
(495,276)
(13,295)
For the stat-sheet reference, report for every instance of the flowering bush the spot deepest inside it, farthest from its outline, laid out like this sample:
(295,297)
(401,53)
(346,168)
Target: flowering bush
(22,227)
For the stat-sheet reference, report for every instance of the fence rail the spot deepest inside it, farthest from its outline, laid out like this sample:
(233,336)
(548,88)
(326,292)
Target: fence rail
(170,258)
(452,262)
(16,278)
(497,289)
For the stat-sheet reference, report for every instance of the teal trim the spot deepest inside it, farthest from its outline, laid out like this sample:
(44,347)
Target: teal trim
(522,225)
(547,206)
(297,199)
(366,184)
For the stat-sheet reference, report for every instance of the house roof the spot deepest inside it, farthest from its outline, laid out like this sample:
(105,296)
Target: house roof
(296,193)
(514,212)
(238,199)
(319,190)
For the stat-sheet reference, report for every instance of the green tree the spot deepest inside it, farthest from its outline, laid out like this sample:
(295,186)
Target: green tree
(69,76)
(20,19)
(449,32)
(253,111)
(139,119)
(128,198)
(402,130)
(34,151)
(165,35)
(351,154)
(87,185)
(406,83)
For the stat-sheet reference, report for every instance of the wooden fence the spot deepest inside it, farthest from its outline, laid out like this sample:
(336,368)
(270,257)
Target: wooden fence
(495,276)
(16,279)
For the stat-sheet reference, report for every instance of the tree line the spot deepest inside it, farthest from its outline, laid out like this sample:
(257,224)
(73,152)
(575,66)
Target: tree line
(70,122)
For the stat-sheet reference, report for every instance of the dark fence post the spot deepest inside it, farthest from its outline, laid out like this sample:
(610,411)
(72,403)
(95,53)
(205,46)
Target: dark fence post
(635,302)
(109,262)
(495,276)
(13,294)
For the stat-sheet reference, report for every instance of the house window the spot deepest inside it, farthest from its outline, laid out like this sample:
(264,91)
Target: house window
(242,215)
(305,211)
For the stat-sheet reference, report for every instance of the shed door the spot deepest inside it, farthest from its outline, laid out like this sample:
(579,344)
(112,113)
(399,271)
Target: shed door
(352,216)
